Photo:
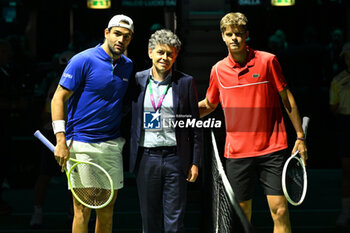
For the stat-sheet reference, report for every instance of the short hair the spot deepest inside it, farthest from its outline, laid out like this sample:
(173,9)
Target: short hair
(164,37)
(235,19)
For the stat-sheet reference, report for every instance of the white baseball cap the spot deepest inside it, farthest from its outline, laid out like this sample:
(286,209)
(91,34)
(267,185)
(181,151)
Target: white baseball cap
(119,21)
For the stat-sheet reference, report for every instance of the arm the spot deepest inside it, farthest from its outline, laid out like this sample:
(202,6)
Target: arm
(205,107)
(293,113)
(197,134)
(57,113)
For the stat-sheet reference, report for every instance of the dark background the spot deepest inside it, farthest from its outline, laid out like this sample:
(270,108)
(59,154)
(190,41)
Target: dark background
(37,30)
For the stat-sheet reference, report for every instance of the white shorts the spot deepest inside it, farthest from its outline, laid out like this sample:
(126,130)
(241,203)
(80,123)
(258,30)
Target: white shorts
(106,154)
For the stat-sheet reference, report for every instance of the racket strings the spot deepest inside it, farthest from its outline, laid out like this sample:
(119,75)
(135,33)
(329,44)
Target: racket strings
(90,184)
(295,180)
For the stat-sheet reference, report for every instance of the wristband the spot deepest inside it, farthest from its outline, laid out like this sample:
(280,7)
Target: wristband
(301,139)
(59,126)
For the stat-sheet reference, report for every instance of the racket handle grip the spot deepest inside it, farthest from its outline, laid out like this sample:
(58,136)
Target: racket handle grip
(44,140)
(305,124)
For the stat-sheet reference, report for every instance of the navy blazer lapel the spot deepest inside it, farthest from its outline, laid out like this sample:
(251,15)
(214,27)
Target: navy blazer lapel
(176,92)
(143,82)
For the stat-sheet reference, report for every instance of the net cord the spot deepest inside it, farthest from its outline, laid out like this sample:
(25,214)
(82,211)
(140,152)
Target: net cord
(228,188)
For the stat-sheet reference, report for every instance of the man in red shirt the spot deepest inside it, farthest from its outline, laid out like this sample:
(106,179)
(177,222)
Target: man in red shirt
(247,84)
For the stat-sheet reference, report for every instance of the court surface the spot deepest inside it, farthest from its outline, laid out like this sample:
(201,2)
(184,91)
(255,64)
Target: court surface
(318,213)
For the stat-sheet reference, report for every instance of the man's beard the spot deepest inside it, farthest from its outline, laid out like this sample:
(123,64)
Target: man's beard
(115,52)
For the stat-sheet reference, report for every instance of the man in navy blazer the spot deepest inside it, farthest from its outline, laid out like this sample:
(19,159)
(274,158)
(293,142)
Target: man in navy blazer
(166,145)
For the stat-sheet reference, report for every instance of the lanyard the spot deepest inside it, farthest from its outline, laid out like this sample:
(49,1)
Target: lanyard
(161,97)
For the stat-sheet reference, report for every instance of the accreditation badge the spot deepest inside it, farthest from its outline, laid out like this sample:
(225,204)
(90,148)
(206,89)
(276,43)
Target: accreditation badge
(152,120)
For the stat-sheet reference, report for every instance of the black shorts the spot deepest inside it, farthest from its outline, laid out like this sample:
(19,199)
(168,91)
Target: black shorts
(268,168)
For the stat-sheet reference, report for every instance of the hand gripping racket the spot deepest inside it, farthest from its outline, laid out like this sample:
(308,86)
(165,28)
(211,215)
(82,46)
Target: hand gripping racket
(294,176)
(89,183)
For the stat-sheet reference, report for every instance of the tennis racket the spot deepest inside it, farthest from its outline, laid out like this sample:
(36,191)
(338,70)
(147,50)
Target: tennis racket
(294,176)
(89,183)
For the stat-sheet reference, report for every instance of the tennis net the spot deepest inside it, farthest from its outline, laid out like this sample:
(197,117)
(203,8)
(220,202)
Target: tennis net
(227,215)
